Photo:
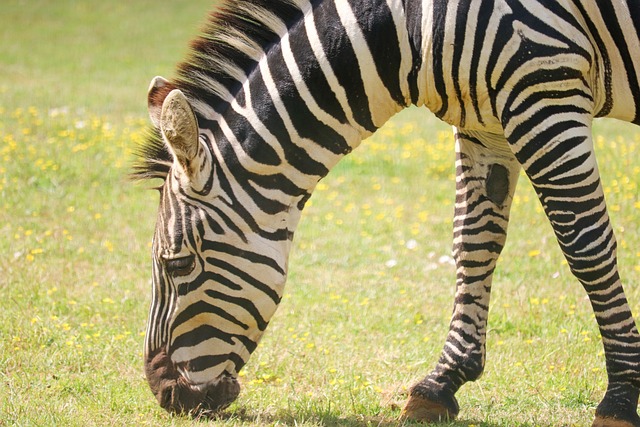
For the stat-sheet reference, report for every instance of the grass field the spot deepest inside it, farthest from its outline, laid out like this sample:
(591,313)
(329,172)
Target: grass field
(370,289)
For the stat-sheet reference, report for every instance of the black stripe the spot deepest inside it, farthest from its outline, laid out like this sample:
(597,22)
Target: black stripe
(200,307)
(462,15)
(313,75)
(469,299)
(503,35)
(246,277)
(306,124)
(522,129)
(489,227)
(477,278)
(173,214)
(159,308)
(238,208)
(492,247)
(413,15)
(202,363)
(242,176)
(486,212)
(482,25)
(604,57)
(552,186)
(250,140)
(244,303)
(541,140)
(476,264)
(264,108)
(555,200)
(340,53)
(193,219)
(437,37)
(214,226)
(617,34)
(203,333)
(208,185)
(376,23)
(211,208)
(552,155)
(227,221)
(634,10)
(204,277)
(253,257)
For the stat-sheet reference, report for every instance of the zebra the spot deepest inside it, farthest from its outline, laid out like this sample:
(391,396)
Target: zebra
(275,92)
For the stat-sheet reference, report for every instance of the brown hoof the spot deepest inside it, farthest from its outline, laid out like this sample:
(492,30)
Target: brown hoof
(611,422)
(421,409)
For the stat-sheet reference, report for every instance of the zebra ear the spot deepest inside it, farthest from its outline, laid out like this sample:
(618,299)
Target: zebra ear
(179,128)
(158,91)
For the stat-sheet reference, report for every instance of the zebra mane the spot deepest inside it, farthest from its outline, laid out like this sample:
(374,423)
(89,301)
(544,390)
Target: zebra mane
(234,39)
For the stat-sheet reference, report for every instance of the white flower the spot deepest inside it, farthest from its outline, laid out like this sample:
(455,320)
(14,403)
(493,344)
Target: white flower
(391,263)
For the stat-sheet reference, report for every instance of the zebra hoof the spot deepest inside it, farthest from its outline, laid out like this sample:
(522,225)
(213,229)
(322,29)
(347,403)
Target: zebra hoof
(421,409)
(614,422)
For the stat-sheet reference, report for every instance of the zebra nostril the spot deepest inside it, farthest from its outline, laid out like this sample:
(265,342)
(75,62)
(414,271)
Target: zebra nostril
(166,397)
(220,394)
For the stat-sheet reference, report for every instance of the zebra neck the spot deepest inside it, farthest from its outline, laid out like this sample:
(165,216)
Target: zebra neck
(318,92)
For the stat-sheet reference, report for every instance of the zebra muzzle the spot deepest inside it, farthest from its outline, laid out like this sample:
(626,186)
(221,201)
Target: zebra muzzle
(176,394)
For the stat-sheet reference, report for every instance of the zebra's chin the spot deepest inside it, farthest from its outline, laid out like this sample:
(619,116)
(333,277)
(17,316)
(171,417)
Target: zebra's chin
(176,394)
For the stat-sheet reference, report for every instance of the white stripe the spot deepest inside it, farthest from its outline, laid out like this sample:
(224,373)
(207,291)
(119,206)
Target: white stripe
(264,16)
(325,66)
(424,82)
(318,152)
(631,41)
(381,104)
(351,135)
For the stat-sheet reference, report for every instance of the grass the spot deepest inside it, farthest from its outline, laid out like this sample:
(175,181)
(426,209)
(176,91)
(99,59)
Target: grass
(370,290)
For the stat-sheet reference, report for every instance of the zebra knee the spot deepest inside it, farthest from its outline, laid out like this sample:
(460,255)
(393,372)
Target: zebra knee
(592,258)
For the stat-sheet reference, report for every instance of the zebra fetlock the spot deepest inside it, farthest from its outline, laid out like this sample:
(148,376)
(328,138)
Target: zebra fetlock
(618,408)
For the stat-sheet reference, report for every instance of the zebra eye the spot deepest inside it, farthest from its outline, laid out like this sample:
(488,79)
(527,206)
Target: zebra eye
(180,266)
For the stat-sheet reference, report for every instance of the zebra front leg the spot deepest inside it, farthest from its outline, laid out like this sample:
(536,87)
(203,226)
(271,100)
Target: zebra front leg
(486,176)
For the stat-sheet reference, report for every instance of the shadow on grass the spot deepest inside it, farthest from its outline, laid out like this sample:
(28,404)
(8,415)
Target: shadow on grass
(332,420)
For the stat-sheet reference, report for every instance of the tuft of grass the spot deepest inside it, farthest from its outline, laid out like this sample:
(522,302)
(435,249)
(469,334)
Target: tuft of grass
(371,285)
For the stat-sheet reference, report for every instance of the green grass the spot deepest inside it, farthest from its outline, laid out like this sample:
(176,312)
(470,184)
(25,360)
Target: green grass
(368,301)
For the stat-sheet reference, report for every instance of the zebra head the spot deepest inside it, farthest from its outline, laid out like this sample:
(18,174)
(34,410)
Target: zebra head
(217,279)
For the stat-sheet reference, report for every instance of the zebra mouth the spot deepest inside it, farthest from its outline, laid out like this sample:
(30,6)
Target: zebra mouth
(177,395)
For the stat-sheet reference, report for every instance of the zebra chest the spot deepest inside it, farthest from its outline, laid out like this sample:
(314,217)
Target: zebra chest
(456,91)
(463,105)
